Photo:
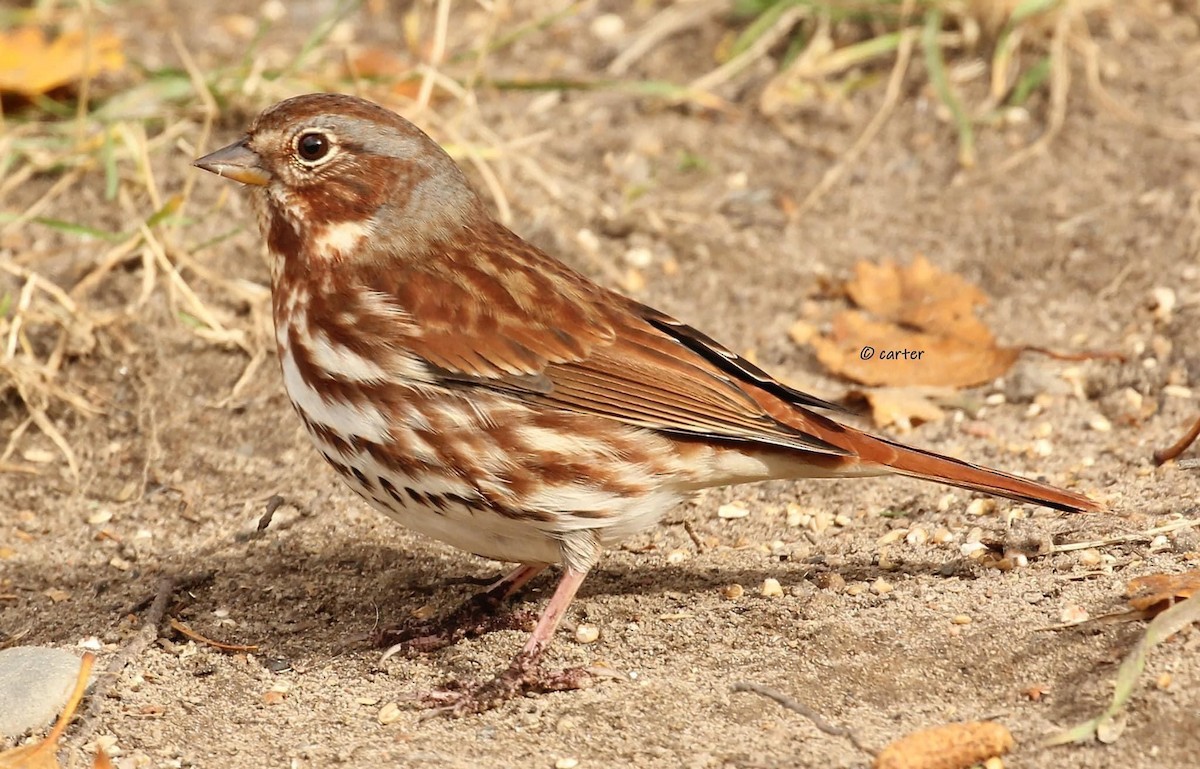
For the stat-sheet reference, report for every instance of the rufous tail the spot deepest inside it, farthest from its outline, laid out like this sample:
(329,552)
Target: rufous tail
(929,466)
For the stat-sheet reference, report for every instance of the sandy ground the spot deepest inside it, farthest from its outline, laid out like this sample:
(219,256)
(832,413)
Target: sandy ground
(1069,246)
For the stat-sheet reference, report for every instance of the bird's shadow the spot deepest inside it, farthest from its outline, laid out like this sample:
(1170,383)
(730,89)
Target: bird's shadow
(295,601)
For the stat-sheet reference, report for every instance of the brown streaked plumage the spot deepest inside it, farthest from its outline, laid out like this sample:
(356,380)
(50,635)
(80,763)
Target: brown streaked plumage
(481,392)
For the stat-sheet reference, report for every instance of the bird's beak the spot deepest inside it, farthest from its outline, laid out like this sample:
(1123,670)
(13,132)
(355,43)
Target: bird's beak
(237,162)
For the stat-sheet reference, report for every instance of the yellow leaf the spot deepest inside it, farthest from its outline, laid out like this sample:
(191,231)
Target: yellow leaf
(30,65)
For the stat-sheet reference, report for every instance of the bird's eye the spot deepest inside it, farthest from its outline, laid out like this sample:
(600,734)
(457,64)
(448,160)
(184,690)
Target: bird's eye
(312,146)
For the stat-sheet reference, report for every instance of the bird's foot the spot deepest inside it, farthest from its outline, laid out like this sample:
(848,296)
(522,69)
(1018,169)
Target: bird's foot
(478,616)
(524,676)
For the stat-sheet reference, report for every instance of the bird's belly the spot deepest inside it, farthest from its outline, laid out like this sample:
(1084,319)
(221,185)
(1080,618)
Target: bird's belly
(468,527)
(446,510)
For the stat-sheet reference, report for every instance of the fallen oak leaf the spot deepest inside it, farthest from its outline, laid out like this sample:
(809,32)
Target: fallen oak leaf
(904,407)
(919,295)
(30,65)
(873,352)
(1155,593)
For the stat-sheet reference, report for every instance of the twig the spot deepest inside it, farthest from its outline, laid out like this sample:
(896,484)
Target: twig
(890,98)
(1140,535)
(799,707)
(192,635)
(146,635)
(1164,125)
(727,71)
(1060,86)
(436,54)
(1179,446)
(671,21)
(1075,356)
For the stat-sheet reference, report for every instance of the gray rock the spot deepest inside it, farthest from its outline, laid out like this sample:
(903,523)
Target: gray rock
(35,683)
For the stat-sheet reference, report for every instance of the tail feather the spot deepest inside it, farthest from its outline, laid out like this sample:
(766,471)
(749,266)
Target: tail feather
(926,465)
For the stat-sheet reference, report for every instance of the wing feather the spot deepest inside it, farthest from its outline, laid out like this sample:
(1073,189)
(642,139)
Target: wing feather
(527,325)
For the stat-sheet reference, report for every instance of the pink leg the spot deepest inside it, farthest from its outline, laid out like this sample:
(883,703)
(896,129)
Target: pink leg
(523,674)
(477,616)
(568,586)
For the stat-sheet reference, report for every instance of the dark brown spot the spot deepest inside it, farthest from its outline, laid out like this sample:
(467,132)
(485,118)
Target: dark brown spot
(392,492)
(362,478)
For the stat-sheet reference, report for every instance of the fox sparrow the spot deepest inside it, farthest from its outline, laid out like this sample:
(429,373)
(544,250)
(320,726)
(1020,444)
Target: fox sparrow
(483,393)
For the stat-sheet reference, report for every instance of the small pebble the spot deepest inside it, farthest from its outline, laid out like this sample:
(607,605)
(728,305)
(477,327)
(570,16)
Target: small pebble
(843,520)
(981,506)
(830,580)
(35,682)
(942,536)
(733,591)
(1162,302)
(1160,543)
(608,27)
(1100,423)
(566,763)
(881,586)
(389,714)
(587,634)
(972,549)
(917,536)
(796,516)
(771,588)
(893,536)
(639,257)
(1073,614)
(1042,448)
(677,556)
(1089,557)
(102,516)
(733,510)
(858,588)
(960,619)
(821,521)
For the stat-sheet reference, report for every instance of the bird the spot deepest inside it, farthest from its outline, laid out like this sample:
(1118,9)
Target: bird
(483,393)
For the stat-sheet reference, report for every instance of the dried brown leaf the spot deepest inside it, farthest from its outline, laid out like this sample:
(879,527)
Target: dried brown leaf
(1157,592)
(919,295)
(904,407)
(953,746)
(31,65)
(872,352)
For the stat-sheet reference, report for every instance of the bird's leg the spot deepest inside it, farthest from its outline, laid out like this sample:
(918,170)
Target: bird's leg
(524,674)
(476,616)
